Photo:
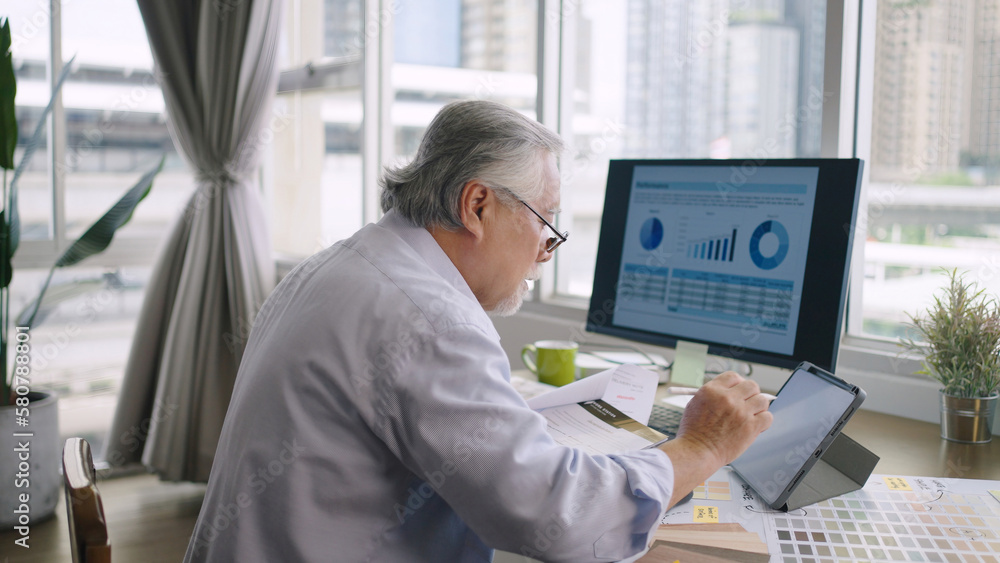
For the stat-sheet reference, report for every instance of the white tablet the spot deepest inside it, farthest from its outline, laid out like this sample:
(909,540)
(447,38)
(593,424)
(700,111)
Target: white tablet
(810,410)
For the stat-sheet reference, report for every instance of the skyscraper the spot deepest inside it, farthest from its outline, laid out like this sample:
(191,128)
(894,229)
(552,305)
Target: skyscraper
(809,17)
(920,55)
(499,35)
(706,80)
(763,84)
(982,144)
(342,24)
(674,95)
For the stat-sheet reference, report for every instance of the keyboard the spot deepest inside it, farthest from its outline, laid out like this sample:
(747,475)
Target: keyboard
(665,418)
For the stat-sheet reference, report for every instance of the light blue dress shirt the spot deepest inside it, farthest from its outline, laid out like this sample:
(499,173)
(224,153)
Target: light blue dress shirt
(373,420)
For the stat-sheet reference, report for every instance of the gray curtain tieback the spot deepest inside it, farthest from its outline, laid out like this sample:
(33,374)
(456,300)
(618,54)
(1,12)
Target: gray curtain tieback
(207,179)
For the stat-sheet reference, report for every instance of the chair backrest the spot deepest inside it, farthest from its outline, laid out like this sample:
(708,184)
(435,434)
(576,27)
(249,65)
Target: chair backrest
(88,530)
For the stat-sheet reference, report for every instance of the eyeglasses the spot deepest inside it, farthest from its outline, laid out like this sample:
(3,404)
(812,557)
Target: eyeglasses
(553,242)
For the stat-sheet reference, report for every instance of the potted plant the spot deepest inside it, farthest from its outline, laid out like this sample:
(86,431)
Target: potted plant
(959,339)
(29,423)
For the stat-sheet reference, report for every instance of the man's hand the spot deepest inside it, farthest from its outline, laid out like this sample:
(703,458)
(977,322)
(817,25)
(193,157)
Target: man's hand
(721,421)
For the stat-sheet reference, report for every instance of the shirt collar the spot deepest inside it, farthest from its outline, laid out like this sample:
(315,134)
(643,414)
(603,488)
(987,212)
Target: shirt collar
(421,241)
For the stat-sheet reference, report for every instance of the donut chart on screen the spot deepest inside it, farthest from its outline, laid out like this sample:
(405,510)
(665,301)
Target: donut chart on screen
(773,261)
(651,234)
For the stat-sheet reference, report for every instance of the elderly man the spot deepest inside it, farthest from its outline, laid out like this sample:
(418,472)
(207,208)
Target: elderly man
(373,419)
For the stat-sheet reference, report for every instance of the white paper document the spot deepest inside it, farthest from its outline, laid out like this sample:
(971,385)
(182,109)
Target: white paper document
(603,414)
(630,389)
(578,427)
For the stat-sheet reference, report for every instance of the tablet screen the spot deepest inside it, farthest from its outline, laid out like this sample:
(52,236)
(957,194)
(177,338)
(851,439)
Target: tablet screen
(806,410)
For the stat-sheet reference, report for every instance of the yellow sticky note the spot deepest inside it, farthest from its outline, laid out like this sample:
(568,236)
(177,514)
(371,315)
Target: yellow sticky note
(706,515)
(996,494)
(688,368)
(897,484)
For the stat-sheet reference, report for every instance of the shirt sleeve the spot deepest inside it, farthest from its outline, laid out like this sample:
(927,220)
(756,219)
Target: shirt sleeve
(447,411)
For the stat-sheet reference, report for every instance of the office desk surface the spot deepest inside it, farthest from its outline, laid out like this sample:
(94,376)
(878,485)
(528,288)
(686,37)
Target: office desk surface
(916,522)
(912,447)
(906,446)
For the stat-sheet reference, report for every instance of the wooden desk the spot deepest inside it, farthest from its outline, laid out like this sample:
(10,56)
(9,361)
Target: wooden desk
(151,521)
(911,523)
(148,521)
(912,447)
(908,447)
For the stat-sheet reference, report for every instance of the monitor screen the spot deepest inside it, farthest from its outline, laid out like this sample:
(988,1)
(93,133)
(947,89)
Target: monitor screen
(748,256)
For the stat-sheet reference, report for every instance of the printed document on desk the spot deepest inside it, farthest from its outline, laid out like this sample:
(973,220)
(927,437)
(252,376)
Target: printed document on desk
(605,413)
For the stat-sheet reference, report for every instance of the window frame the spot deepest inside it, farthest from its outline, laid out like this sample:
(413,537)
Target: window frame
(846,133)
(875,364)
(848,75)
(41,254)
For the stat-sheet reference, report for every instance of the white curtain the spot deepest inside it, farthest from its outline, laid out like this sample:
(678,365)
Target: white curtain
(216,63)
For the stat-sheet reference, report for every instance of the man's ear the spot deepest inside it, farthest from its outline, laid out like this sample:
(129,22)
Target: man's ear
(474,200)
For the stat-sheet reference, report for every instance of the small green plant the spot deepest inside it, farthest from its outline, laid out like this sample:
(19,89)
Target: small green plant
(959,339)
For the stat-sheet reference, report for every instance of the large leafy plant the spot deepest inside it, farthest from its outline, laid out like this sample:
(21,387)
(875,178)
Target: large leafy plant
(959,339)
(94,240)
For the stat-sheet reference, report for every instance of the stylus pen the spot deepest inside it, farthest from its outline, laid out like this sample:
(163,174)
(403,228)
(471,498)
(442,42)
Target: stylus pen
(693,390)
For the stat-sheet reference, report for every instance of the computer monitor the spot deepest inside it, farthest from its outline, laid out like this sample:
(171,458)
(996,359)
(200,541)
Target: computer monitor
(750,257)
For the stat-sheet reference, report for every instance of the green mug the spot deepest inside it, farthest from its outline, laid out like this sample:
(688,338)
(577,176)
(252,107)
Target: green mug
(554,363)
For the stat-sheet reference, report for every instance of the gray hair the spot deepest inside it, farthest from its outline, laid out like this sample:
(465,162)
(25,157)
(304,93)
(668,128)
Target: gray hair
(469,140)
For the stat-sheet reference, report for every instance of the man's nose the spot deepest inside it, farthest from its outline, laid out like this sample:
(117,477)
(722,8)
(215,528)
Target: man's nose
(544,256)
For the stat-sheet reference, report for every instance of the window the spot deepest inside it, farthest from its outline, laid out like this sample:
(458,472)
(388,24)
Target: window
(652,79)
(323,180)
(110,129)
(451,50)
(315,163)
(645,78)
(934,177)
(115,122)
(639,78)
(631,79)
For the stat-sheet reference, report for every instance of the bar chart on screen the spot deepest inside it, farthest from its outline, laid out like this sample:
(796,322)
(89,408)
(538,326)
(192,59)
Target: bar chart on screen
(893,518)
(717,248)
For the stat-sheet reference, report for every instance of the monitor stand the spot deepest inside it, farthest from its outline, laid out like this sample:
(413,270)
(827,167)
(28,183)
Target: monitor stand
(688,369)
(595,358)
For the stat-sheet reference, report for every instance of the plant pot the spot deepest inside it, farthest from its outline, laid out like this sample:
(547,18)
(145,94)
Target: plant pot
(967,420)
(38,475)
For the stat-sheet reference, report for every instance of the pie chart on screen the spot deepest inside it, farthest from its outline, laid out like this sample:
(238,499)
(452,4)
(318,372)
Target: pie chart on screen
(651,234)
(769,245)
